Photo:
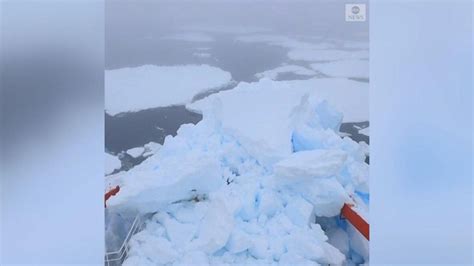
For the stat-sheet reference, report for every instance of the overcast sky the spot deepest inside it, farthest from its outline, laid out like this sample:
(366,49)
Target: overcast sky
(305,17)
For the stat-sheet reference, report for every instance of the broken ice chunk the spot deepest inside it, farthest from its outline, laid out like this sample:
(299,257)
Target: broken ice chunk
(215,229)
(136,152)
(311,164)
(299,211)
(239,241)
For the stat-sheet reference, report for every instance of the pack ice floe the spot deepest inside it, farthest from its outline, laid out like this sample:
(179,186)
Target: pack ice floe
(138,88)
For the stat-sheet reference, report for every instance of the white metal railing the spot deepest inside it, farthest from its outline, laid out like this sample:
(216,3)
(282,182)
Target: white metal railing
(114,258)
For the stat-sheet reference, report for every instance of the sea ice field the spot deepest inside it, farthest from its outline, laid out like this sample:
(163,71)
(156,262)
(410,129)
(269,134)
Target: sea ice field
(269,139)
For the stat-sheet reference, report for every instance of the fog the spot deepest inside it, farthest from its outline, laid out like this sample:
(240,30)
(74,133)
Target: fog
(128,23)
(51,84)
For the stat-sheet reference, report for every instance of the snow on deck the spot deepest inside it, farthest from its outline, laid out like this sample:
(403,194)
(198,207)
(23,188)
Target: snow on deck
(149,86)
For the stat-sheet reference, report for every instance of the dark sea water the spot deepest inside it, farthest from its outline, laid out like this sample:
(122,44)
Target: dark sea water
(129,130)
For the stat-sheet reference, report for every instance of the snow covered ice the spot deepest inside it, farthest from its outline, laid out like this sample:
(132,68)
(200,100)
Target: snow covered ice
(259,181)
(301,50)
(149,86)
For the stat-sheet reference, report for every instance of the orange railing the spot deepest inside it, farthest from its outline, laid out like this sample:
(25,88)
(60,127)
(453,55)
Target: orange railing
(356,220)
(111,193)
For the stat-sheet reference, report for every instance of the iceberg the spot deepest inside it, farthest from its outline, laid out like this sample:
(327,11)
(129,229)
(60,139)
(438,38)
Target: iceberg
(149,86)
(249,183)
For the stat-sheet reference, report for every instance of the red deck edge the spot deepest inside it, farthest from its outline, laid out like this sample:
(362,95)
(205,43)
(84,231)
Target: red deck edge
(356,220)
(111,193)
